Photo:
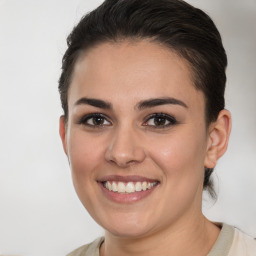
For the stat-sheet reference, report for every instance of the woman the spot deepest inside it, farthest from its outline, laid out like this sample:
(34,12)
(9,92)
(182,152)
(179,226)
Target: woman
(142,89)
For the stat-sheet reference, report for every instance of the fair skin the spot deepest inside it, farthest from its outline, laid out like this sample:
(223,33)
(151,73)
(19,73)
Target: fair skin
(149,126)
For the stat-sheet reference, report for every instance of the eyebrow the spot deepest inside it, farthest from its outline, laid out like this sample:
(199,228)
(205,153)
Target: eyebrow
(94,102)
(141,105)
(158,102)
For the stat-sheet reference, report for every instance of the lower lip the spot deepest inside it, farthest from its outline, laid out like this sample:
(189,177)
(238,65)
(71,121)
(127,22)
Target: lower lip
(126,197)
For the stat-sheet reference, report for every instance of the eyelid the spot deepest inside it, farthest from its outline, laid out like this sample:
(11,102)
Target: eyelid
(84,120)
(87,117)
(172,120)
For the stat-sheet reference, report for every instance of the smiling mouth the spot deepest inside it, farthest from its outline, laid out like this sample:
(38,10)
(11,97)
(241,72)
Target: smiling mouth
(128,187)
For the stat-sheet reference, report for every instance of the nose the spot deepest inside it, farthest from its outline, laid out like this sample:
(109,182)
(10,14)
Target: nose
(125,148)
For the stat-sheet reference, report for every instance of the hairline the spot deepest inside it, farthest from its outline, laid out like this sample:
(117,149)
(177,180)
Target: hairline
(82,52)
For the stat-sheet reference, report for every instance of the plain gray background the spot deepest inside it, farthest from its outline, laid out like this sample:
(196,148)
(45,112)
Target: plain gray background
(39,210)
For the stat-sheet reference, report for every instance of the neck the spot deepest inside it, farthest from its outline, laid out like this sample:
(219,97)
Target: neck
(197,237)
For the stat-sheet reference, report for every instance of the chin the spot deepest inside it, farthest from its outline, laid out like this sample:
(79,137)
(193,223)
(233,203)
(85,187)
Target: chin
(128,227)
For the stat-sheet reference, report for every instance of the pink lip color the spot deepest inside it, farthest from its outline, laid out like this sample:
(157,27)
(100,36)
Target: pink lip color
(125,198)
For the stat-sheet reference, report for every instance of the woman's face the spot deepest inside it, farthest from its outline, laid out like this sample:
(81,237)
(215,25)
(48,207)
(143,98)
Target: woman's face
(136,137)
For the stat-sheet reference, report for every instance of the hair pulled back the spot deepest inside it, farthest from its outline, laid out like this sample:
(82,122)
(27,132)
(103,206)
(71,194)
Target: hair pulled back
(186,30)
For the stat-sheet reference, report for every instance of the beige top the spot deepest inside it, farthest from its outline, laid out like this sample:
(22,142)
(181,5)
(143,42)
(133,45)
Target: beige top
(230,242)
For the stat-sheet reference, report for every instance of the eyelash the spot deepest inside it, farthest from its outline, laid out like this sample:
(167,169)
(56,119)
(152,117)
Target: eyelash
(170,119)
(161,117)
(84,120)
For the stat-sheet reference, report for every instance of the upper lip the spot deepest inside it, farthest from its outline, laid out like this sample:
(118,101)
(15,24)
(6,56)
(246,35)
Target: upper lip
(132,178)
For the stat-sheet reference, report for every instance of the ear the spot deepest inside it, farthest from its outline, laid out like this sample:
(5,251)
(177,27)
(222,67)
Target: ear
(62,132)
(219,132)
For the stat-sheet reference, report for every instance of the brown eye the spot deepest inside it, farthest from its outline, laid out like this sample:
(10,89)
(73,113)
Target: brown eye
(95,120)
(160,120)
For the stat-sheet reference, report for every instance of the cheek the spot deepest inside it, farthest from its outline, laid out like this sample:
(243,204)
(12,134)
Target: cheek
(84,156)
(180,157)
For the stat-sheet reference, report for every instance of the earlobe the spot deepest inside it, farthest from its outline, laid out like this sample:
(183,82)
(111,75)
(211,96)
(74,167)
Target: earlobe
(62,132)
(219,132)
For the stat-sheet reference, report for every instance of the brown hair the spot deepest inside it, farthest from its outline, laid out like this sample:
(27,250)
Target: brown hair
(174,23)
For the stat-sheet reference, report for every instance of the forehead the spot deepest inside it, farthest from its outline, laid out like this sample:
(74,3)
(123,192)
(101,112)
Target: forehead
(132,69)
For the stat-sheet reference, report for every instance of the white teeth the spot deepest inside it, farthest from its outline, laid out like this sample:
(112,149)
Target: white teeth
(138,186)
(108,185)
(114,187)
(130,187)
(120,187)
(144,185)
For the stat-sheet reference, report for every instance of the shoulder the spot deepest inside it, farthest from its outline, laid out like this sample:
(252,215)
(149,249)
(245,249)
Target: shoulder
(91,249)
(233,242)
(242,244)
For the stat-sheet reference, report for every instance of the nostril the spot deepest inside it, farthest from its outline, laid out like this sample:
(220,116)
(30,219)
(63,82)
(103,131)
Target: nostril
(124,148)
(125,160)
